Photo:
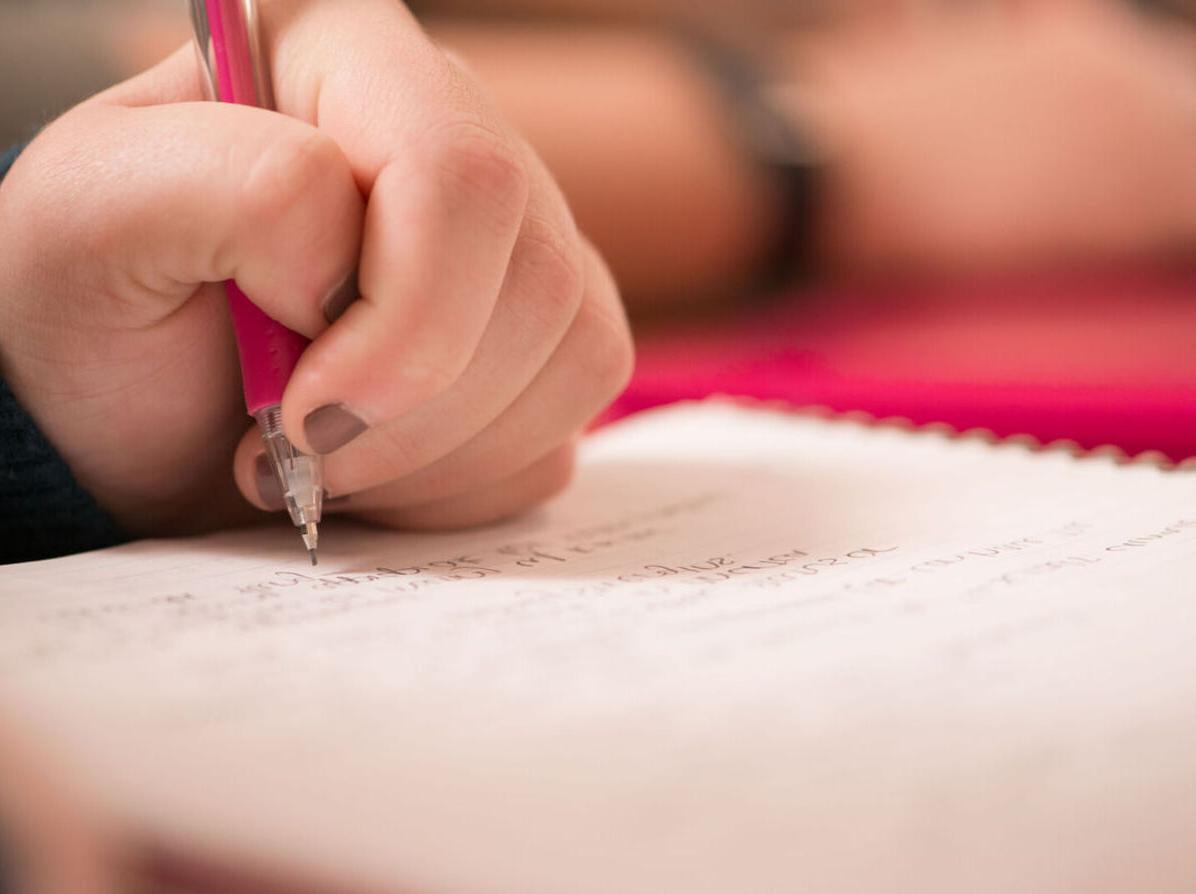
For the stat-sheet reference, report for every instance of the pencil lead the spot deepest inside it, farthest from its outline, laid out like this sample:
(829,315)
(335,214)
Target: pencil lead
(311,539)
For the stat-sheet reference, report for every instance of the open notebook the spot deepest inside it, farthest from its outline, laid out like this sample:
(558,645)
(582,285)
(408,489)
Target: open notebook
(747,652)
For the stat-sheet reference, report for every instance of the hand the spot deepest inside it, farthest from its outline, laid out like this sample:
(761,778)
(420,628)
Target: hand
(1041,134)
(486,336)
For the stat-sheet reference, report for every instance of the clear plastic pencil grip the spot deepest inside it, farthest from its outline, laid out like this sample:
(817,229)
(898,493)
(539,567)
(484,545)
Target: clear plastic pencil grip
(301,477)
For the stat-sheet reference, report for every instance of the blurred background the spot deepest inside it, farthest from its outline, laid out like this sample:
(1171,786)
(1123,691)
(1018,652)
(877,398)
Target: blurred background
(54,53)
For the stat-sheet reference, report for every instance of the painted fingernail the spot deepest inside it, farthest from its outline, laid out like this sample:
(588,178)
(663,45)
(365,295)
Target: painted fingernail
(339,300)
(331,427)
(269,491)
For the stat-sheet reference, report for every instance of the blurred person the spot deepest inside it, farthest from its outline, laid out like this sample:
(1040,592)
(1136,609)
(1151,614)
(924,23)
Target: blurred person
(935,138)
(927,138)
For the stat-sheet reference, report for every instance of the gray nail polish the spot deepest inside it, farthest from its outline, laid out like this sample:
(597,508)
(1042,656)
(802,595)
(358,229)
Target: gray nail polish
(339,300)
(331,427)
(268,488)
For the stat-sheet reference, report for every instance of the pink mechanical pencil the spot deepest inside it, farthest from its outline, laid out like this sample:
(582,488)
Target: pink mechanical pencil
(230,49)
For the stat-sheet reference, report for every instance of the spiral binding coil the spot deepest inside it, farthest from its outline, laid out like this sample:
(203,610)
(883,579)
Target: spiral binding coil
(1109,453)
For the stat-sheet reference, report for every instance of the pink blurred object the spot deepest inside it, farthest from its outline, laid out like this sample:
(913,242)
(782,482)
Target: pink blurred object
(1098,361)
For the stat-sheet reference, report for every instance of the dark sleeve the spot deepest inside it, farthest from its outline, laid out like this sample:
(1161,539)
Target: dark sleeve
(8,157)
(43,511)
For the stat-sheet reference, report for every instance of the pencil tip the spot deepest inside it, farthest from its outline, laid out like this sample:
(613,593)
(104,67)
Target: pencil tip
(314,560)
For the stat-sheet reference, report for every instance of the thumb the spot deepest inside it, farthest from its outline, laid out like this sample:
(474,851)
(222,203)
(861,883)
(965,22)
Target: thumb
(148,202)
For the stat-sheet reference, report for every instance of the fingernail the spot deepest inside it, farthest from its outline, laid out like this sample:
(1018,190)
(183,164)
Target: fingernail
(269,491)
(340,298)
(331,427)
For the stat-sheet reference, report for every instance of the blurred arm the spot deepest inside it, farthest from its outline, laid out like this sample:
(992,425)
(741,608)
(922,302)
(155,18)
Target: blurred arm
(642,145)
(1004,138)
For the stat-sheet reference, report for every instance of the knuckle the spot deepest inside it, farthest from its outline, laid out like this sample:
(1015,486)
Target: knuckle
(282,178)
(552,262)
(433,376)
(616,368)
(611,359)
(478,165)
(558,470)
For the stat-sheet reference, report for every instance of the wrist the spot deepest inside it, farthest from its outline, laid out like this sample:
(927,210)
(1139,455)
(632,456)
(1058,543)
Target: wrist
(638,141)
(784,154)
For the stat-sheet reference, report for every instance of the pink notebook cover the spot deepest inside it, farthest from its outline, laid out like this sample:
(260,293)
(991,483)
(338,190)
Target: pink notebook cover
(1098,361)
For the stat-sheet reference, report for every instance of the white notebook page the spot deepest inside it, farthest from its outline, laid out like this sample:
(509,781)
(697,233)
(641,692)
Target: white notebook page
(747,651)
